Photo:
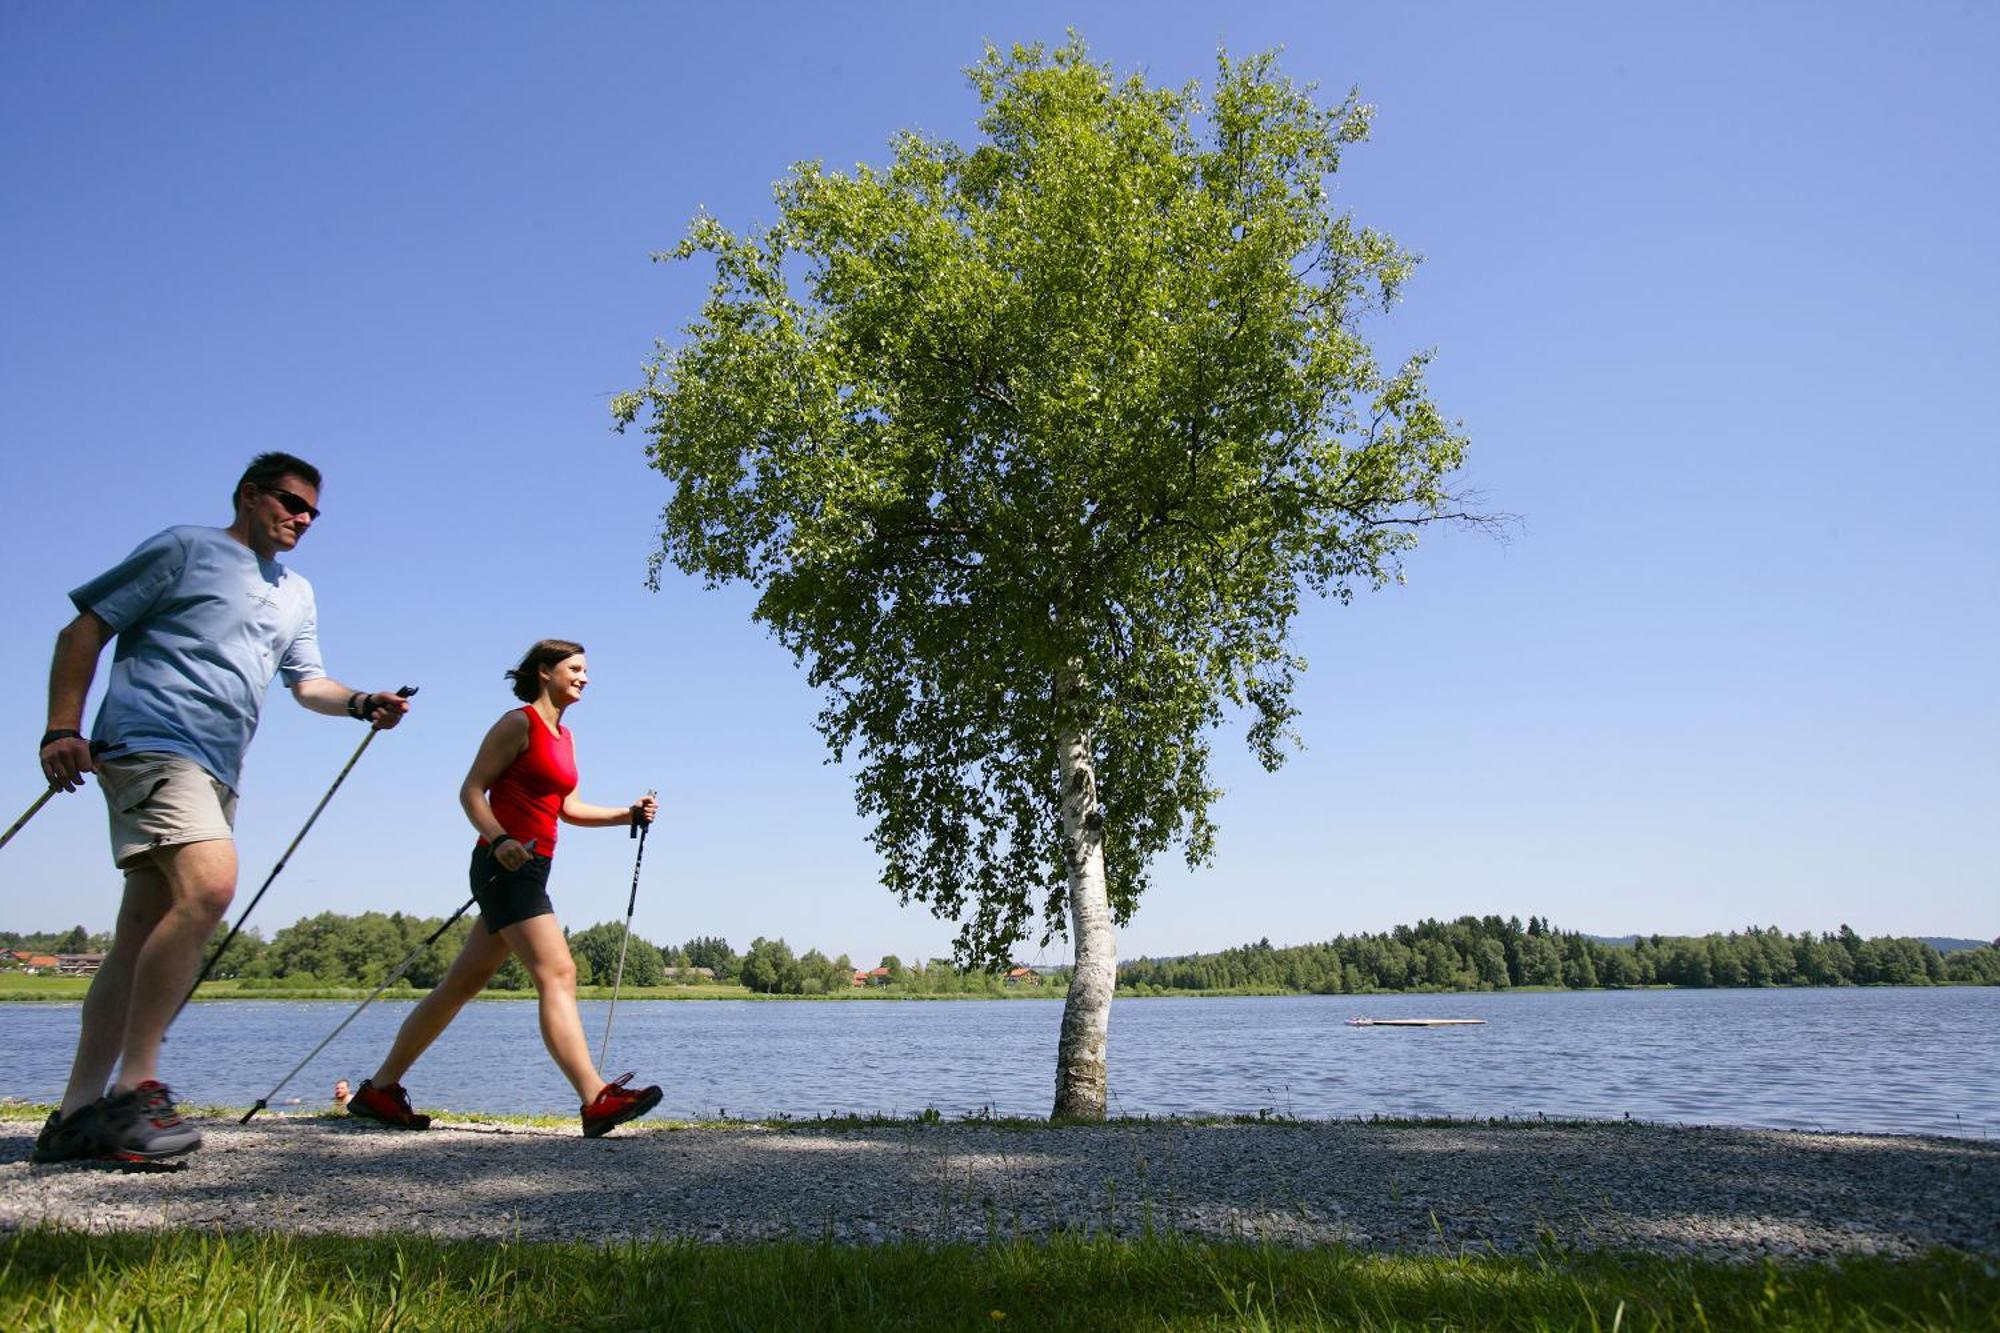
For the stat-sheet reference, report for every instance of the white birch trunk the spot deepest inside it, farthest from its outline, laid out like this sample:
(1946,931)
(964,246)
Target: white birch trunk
(1081,1080)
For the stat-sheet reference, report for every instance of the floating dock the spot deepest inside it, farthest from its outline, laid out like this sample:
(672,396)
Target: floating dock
(1414,1022)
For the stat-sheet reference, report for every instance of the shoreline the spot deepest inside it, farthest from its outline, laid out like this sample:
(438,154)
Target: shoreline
(1458,1188)
(701,993)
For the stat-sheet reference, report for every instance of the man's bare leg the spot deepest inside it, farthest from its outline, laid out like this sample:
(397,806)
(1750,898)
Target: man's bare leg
(200,880)
(108,1003)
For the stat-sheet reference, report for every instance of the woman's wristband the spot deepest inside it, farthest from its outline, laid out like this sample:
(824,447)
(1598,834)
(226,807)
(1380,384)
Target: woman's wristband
(493,846)
(59,734)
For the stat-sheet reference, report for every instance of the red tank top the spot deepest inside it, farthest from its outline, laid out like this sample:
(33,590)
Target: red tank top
(528,796)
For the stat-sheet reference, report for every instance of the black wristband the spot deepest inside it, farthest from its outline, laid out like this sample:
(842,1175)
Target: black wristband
(494,845)
(60,734)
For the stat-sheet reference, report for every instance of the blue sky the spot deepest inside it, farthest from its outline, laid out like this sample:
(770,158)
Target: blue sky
(1712,291)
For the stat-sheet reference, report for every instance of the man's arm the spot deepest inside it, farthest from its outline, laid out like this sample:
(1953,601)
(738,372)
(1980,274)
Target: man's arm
(78,646)
(324,694)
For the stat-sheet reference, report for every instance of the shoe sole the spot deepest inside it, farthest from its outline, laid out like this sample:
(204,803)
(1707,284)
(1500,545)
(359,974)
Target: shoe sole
(367,1119)
(159,1166)
(633,1112)
(143,1155)
(165,1167)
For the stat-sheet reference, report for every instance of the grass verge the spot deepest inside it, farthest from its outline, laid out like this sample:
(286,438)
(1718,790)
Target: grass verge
(70,1280)
(22,988)
(27,1112)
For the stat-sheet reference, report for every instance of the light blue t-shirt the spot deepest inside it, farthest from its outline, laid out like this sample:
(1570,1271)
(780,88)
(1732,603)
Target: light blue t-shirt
(202,624)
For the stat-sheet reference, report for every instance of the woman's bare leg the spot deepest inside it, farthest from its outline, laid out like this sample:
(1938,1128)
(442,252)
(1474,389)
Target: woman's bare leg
(538,942)
(469,972)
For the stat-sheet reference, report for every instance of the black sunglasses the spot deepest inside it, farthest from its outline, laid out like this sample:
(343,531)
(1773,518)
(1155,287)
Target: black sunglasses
(292,503)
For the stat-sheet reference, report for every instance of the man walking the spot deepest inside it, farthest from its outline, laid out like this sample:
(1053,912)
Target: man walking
(204,617)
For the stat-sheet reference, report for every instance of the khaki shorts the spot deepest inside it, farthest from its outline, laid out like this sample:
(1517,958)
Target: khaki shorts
(162,800)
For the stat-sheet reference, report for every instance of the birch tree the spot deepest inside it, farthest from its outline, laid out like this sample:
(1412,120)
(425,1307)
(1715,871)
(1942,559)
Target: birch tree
(1033,449)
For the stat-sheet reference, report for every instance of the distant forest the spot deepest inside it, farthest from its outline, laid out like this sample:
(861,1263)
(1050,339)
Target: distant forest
(1469,954)
(1488,953)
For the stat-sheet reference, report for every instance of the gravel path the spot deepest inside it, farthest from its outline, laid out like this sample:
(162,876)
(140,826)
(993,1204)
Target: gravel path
(1716,1192)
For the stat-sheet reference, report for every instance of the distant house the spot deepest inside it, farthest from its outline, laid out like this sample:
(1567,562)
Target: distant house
(874,976)
(1023,976)
(37,962)
(688,973)
(78,964)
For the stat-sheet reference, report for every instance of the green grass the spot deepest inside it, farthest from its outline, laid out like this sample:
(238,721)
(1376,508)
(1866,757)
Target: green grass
(18,986)
(21,986)
(35,1112)
(69,1280)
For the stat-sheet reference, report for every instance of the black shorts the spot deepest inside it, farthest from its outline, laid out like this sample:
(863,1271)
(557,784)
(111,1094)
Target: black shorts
(508,897)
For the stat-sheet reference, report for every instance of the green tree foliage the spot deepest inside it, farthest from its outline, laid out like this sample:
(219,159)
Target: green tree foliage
(74,940)
(769,968)
(819,975)
(55,941)
(600,944)
(1470,953)
(712,952)
(1034,449)
(241,959)
(1973,967)
(1486,953)
(433,962)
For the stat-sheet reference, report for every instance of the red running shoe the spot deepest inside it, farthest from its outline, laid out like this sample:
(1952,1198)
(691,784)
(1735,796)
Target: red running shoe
(616,1104)
(386,1106)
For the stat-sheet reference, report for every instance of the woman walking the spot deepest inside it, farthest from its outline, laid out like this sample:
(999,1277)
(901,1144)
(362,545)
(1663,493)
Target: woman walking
(523,781)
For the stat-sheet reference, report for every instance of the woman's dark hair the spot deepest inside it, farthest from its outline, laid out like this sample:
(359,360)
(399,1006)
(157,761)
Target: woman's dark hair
(272,468)
(527,677)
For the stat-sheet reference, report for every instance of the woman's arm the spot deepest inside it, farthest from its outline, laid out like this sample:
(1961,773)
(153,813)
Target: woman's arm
(585,815)
(503,745)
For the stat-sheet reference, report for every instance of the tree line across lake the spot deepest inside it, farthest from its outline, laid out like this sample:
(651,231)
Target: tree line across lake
(1470,953)
(1489,953)
(337,950)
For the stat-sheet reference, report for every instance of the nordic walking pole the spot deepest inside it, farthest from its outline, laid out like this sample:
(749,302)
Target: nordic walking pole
(639,832)
(230,938)
(16,826)
(96,748)
(387,982)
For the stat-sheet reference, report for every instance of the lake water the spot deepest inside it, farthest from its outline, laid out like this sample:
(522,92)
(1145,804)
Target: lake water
(1907,1061)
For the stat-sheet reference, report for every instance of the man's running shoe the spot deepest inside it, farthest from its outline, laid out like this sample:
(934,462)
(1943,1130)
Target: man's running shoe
(386,1106)
(143,1126)
(76,1137)
(615,1105)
